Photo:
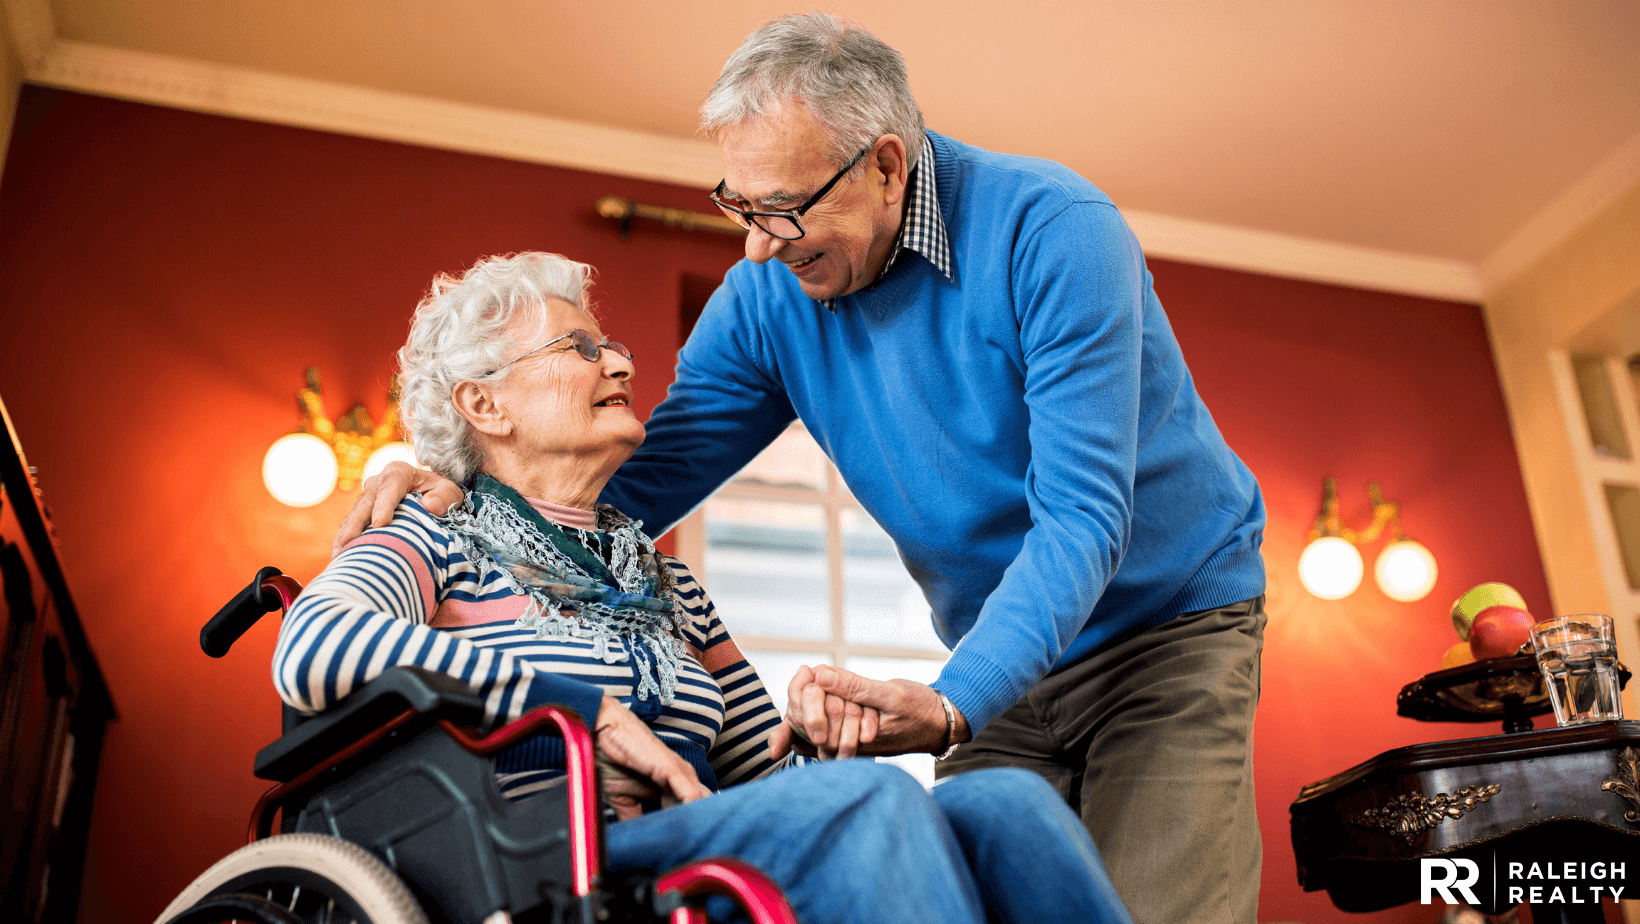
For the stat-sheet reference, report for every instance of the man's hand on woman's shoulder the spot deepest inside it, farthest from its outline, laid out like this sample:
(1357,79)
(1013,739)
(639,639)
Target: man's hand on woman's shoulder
(380,494)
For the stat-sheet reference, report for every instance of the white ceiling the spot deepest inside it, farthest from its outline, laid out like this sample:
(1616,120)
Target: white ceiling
(1439,129)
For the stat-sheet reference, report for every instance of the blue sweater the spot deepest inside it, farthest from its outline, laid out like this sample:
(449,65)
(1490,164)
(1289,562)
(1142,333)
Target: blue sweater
(1028,435)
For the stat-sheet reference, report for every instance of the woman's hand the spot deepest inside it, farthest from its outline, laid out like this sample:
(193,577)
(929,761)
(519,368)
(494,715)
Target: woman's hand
(640,758)
(381,493)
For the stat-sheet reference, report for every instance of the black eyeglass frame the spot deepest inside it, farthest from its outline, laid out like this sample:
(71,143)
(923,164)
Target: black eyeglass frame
(748,217)
(586,347)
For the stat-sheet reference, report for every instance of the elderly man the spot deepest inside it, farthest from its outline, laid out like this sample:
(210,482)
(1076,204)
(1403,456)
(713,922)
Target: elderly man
(973,339)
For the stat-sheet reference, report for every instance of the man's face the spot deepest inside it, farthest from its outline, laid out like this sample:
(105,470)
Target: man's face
(778,162)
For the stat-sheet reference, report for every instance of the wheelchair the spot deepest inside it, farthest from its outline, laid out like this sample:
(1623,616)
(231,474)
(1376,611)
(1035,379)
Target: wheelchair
(389,814)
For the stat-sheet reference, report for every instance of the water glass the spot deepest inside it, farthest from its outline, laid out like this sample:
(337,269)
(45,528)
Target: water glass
(1578,657)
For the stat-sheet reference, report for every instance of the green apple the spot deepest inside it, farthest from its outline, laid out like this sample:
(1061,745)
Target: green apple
(1479,598)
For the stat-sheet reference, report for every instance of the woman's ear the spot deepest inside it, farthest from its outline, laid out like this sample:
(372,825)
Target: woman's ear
(479,406)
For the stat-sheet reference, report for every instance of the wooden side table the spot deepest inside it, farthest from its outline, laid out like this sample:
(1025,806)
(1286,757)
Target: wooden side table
(1551,796)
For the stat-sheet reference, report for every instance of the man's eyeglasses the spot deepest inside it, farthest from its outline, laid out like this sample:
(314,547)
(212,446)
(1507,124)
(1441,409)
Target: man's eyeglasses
(783,225)
(589,348)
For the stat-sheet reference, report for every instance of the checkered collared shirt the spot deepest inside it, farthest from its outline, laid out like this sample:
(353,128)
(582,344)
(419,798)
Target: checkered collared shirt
(923,229)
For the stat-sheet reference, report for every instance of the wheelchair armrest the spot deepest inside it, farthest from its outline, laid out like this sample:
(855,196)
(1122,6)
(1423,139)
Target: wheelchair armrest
(434,695)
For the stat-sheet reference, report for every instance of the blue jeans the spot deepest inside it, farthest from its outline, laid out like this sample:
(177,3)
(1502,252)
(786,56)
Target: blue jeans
(1030,855)
(856,841)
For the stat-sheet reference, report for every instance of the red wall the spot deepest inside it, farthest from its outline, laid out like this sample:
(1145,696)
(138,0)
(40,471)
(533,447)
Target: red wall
(1309,380)
(171,274)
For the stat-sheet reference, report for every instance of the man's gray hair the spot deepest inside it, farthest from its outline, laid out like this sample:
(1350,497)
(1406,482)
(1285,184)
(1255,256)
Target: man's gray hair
(457,335)
(855,86)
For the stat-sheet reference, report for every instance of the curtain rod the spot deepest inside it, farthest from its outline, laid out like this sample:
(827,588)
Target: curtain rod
(625,210)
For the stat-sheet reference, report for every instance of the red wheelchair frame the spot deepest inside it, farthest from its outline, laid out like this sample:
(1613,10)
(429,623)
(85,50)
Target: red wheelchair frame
(398,770)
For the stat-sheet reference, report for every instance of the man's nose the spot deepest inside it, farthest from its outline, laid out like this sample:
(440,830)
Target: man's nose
(761,246)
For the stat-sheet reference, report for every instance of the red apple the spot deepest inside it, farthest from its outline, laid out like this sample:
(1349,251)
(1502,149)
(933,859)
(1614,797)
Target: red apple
(1499,631)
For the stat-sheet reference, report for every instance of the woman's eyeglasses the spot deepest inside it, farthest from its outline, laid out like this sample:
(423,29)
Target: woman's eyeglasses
(590,349)
(783,225)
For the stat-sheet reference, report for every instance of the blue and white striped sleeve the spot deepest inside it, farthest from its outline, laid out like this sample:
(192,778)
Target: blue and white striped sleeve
(741,751)
(369,610)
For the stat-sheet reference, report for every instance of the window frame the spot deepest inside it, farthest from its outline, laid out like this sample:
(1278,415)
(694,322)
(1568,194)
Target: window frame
(833,497)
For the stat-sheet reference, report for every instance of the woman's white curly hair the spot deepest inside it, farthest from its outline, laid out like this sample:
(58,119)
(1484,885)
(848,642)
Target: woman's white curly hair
(457,335)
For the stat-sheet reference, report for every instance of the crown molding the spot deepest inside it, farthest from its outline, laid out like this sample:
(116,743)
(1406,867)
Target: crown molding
(33,30)
(1304,258)
(353,110)
(1564,216)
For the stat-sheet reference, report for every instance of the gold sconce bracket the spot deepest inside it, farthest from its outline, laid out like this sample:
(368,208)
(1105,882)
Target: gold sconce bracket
(1329,523)
(352,436)
(1331,566)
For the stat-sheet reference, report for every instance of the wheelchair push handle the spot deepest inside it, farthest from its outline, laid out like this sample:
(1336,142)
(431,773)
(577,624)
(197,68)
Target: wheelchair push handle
(270,590)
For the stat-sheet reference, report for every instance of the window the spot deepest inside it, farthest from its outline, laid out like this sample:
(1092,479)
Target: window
(1604,392)
(802,575)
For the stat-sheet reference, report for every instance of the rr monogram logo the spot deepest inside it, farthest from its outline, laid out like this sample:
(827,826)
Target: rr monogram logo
(1429,884)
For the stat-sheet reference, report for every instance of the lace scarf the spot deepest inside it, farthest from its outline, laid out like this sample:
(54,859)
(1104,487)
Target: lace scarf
(573,591)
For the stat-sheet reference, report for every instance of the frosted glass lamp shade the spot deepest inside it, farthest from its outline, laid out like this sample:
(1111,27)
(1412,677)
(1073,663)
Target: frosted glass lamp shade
(1405,571)
(1330,568)
(396,451)
(299,470)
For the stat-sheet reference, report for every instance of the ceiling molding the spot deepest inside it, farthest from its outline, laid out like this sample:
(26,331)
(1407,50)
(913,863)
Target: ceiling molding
(1304,258)
(353,110)
(33,30)
(1568,212)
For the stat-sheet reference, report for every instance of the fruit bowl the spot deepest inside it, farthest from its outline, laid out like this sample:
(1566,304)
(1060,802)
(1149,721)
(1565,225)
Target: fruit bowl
(1510,689)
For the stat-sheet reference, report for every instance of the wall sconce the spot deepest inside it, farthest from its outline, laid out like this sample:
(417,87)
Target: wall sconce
(303,468)
(1331,566)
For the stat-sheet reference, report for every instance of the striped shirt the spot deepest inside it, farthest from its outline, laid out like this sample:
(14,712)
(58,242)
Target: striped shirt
(405,595)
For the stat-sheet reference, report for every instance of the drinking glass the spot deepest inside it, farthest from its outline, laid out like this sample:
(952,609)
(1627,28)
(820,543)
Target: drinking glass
(1578,657)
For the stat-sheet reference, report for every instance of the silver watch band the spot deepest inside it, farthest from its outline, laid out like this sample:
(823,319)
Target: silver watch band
(950,727)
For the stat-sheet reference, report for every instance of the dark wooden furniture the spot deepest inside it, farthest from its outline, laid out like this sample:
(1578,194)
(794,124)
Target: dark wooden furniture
(53,707)
(1557,794)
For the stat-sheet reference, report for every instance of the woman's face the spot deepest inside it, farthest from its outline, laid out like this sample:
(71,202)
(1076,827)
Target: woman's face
(560,404)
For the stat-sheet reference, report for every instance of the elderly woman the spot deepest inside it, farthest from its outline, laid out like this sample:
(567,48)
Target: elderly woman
(531,593)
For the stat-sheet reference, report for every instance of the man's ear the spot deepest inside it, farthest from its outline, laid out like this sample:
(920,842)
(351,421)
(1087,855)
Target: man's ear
(478,405)
(892,171)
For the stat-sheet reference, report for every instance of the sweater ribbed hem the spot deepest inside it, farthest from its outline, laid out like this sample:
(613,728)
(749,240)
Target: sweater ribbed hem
(1230,576)
(980,690)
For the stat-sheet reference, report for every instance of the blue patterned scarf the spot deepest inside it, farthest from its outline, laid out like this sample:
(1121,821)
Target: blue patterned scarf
(574,592)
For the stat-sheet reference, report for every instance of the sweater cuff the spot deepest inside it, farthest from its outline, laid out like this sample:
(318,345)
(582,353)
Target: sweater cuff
(577,696)
(978,688)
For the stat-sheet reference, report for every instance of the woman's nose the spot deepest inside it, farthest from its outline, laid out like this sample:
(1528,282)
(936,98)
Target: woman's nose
(617,366)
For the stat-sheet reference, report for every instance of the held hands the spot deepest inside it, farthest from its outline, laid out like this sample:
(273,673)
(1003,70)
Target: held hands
(839,714)
(637,766)
(380,494)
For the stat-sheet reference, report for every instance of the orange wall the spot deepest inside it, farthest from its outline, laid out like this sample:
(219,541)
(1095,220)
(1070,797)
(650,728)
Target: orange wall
(171,274)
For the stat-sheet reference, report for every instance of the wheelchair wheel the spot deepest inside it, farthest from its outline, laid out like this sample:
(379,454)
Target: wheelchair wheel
(297,879)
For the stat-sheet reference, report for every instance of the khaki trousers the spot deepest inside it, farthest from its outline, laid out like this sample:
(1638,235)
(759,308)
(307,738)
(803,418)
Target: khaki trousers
(1150,740)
